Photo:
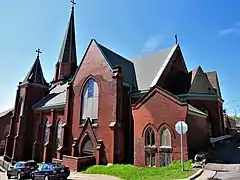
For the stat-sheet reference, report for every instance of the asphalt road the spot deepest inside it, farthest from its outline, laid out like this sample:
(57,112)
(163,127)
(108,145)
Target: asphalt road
(227,176)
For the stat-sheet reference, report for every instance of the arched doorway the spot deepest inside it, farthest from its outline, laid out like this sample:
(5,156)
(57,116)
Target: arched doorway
(86,148)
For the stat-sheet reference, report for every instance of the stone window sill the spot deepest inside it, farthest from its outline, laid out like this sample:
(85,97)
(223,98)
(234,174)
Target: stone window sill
(93,125)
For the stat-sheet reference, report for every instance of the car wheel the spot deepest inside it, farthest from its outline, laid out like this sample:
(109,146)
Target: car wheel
(32,177)
(46,177)
(18,176)
(9,176)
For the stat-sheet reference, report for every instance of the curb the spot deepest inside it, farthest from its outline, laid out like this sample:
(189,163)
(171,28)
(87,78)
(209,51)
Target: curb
(2,170)
(197,174)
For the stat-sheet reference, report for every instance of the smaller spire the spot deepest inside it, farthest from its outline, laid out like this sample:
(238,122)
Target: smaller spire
(68,49)
(35,75)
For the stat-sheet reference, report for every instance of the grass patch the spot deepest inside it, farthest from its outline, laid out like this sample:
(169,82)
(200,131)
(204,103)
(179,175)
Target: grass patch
(129,172)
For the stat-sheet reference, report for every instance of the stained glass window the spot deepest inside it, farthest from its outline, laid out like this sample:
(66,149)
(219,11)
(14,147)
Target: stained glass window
(47,132)
(21,107)
(165,147)
(149,137)
(90,102)
(90,88)
(59,134)
(7,130)
(165,138)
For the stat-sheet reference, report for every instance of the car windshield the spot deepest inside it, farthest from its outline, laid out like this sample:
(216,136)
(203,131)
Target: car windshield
(57,165)
(19,164)
(40,167)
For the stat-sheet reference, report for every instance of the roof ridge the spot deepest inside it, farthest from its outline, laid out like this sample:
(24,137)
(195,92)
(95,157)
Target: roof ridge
(160,50)
(102,46)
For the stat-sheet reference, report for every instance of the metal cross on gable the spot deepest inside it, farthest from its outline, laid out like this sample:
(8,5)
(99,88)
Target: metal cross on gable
(38,52)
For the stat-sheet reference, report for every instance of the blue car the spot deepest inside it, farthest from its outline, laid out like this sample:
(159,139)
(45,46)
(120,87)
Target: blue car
(50,171)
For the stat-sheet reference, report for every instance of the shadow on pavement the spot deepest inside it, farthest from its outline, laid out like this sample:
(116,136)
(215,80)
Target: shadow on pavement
(228,152)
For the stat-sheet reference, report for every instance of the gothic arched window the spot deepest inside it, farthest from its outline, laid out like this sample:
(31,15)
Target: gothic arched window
(150,154)
(6,129)
(59,134)
(149,137)
(90,102)
(21,107)
(165,147)
(46,132)
(165,138)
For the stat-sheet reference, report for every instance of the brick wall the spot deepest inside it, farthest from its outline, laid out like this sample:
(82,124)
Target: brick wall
(158,110)
(95,66)
(4,123)
(78,163)
(215,115)
(197,135)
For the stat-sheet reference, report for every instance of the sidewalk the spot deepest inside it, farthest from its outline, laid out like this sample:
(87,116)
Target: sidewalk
(207,174)
(78,176)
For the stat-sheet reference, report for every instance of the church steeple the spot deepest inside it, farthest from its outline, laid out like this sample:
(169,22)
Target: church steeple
(35,75)
(67,61)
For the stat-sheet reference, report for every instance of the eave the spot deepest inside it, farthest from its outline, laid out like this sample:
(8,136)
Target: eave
(58,106)
(200,96)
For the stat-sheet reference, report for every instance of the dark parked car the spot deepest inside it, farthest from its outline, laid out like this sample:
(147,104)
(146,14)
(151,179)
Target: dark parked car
(51,171)
(22,169)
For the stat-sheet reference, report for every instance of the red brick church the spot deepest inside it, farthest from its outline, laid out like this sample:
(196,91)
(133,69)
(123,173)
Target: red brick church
(109,109)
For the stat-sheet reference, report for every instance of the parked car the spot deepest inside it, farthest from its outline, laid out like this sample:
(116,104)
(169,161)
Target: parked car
(22,169)
(50,171)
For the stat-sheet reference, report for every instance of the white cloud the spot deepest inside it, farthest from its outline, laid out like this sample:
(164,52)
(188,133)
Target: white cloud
(153,42)
(234,30)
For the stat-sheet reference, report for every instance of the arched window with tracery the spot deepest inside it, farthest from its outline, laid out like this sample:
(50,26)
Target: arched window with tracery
(89,106)
(149,137)
(58,135)
(46,132)
(21,107)
(150,148)
(87,147)
(165,147)
(6,129)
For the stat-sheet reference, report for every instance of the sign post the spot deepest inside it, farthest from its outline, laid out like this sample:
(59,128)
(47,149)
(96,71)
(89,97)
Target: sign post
(181,127)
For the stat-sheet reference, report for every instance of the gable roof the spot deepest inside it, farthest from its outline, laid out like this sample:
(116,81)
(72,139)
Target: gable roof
(115,59)
(213,79)
(55,98)
(163,92)
(150,67)
(200,82)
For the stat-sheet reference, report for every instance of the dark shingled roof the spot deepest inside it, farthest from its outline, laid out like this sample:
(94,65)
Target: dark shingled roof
(35,75)
(213,79)
(56,97)
(116,60)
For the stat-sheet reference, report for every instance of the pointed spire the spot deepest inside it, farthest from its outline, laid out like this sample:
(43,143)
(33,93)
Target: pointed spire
(35,75)
(68,49)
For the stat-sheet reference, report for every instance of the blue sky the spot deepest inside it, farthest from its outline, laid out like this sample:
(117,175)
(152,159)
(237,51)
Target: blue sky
(208,31)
